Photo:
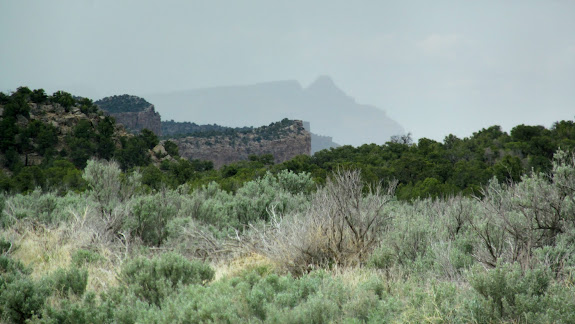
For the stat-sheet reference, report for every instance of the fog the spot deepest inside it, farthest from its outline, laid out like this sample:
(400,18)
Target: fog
(435,67)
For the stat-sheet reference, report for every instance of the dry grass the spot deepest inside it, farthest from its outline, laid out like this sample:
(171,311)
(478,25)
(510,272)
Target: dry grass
(236,266)
(45,249)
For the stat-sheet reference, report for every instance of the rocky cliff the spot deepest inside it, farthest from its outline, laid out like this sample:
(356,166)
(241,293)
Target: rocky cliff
(133,112)
(284,140)
(136,121)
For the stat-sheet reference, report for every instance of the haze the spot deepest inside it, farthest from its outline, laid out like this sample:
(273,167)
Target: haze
(435,67)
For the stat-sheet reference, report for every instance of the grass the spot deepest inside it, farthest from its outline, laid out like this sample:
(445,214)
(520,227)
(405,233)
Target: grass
(45,249)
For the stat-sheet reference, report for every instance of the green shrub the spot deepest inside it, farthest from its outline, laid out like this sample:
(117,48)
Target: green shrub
(88,310)
(11,270)
(254,200)
(211,205)
(153,279)
(150,215)
(295,183)
(508,293)
(82,257)
(69,281)
(22,299)
(5,246)
(382,258)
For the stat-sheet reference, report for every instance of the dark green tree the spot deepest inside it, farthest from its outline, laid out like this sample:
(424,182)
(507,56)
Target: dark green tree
(63,98)
(171,148)
(106,147)
(149,139)
(39,96)
(134,153)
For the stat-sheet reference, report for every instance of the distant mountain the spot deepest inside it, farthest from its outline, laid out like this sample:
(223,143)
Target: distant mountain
(328,109)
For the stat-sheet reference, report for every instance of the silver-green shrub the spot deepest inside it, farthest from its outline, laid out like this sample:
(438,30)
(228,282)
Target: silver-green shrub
(154,279)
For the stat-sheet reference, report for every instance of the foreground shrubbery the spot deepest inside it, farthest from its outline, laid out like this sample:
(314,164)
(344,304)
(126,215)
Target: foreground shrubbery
(279,251)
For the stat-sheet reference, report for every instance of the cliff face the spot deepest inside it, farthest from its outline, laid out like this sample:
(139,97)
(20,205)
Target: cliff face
(289,138)
(136,121)
(133,112)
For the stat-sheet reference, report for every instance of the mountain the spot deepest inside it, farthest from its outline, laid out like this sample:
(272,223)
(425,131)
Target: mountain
(329,110)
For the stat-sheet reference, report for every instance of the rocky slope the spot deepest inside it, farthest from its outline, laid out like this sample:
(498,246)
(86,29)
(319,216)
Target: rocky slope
(133,112)
(284,140)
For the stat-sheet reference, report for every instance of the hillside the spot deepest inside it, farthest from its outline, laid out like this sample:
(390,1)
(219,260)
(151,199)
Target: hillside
(45,140)
(330,111)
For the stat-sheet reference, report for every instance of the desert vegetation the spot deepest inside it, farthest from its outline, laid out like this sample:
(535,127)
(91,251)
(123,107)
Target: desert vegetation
(282,249)
(102,229)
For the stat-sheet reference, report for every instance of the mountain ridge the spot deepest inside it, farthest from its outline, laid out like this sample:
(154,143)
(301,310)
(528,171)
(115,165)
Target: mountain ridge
(329,109)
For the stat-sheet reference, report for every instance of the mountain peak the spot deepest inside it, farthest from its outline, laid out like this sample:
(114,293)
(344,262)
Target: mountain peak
(324,86)
(322,81)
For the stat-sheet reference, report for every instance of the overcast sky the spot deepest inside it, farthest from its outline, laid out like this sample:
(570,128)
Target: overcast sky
(436,67)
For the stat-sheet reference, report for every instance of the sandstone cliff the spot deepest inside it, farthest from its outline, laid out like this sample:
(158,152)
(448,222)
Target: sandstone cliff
(284,140)
(133,112)
(136,121)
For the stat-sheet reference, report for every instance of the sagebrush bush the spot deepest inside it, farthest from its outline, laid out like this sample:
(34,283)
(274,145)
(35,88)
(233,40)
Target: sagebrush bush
(87,310)
(211,205)
(295,183)
(516,219)
(149,217)
(508,292)
(21,299)
(69,281)
(82,257)
(254,199)
(11,270)
(108,186)
(153,279)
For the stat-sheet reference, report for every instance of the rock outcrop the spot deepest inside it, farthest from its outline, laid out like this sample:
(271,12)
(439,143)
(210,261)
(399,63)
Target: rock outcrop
(284,140)
(136,121)
(133,112)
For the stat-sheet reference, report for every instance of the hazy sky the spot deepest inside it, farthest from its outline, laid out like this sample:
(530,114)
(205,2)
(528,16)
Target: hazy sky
(436,67)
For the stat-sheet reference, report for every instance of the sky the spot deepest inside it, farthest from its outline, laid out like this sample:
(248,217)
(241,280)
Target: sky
(436,67)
